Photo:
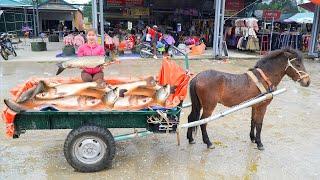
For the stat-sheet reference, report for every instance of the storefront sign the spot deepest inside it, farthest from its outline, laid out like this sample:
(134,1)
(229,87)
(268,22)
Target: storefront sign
(139,11)
(270,14)
(125,2)
(187,12)
(233,7)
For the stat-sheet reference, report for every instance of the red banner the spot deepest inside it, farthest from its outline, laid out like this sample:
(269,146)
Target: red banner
(234,5)
(270,14)
(125,2)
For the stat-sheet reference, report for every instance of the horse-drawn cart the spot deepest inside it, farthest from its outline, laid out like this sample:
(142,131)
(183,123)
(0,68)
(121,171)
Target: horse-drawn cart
(90,146)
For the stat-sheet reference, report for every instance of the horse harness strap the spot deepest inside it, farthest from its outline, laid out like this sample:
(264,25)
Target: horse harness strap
(266,79)
(257,82)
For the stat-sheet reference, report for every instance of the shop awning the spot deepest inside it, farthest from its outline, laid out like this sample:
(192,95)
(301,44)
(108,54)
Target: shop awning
(301,18)
(308,6)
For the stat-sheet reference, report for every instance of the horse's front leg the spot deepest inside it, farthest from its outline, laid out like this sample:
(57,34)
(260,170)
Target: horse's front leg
(253,125)
(258,115)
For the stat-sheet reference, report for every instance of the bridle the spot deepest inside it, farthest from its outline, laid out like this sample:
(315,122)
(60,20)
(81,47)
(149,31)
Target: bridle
(301,74)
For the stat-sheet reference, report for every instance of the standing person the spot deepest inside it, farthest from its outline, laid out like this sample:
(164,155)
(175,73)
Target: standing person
(60,30)
(91,48)
(155,36)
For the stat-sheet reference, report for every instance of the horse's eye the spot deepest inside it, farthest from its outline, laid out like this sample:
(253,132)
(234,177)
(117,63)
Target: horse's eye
(298,65)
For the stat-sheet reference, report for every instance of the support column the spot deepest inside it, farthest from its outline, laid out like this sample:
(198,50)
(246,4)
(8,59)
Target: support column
(315,33)
(101,22)
(218,28)
(38,21)
(94,15)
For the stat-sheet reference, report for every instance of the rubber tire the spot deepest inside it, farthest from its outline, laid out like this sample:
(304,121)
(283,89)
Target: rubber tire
(14,53)
(4,55)
(91,130)
(144,55)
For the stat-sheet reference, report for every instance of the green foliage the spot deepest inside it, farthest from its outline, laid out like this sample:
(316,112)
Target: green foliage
(87,11)
(285,6)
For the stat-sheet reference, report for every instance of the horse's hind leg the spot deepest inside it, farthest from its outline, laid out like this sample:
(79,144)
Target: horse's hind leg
(253,125)
(206,113)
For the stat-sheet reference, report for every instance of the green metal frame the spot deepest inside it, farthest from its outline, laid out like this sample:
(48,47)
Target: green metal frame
(70,120)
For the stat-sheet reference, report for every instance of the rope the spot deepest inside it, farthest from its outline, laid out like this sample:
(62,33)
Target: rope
(242,9)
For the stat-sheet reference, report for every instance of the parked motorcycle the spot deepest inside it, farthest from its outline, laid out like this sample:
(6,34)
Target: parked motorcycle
(6,47)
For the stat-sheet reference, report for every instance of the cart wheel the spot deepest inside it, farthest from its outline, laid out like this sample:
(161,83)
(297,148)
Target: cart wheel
(89,148)
(4,54)
(14,53)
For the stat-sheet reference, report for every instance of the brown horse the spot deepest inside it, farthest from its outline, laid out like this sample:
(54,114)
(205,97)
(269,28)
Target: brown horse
(211,87)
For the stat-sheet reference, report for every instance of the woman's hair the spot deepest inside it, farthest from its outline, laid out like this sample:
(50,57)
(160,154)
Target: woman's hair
(92,30)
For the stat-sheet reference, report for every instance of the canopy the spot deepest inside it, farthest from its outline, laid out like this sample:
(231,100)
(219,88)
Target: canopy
(301,18)
(308,6)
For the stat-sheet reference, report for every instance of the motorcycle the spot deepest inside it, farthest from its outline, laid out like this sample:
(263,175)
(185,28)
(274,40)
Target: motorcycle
(6,47)
(146,50)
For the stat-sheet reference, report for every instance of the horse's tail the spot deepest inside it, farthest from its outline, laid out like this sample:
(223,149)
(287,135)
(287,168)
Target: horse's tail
(196,106)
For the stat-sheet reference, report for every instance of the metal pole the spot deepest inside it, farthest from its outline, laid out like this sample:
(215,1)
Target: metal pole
(38,22)
(101,22)
(216,28)
(94,15)
(231,110)
(25,15)
(34,20)
(125,137)
(221,24)
(315,32)
(272,28)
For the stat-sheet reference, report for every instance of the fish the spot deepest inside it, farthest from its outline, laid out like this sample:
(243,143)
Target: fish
(162,95)
(31,93)
(81,62)
(142,92)
(63,90)
(111,97)
(128,87)
(66,103)
(132,103)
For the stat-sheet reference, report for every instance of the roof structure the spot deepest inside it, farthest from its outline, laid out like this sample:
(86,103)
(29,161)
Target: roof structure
(12,4)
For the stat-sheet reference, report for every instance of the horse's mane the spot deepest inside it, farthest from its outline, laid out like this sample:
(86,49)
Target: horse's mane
(281,54)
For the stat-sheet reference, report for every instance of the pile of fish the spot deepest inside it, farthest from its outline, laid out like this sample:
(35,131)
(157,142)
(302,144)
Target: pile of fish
(90,95)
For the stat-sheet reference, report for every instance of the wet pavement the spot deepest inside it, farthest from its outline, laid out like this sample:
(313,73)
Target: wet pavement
(290,135)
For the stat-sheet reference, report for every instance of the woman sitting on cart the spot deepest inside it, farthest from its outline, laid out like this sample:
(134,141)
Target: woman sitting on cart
(91,48)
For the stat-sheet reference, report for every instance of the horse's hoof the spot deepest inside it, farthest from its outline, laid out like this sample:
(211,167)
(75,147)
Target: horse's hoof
(253,141)
(261,148)
(210,146)
(192,142)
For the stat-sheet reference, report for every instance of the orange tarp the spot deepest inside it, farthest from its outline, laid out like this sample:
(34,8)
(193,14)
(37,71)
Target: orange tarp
(170,73)
(198,50)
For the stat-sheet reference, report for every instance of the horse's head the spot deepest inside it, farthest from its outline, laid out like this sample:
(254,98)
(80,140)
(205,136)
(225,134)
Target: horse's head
(295,68)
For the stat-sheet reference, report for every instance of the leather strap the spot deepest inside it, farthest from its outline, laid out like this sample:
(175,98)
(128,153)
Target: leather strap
(266,79)
(257,82)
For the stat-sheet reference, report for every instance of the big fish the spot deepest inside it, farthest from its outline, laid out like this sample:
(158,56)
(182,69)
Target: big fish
(66,103)
(63,90)
(81,62)
(128,87)
(132,103)
(162,95)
